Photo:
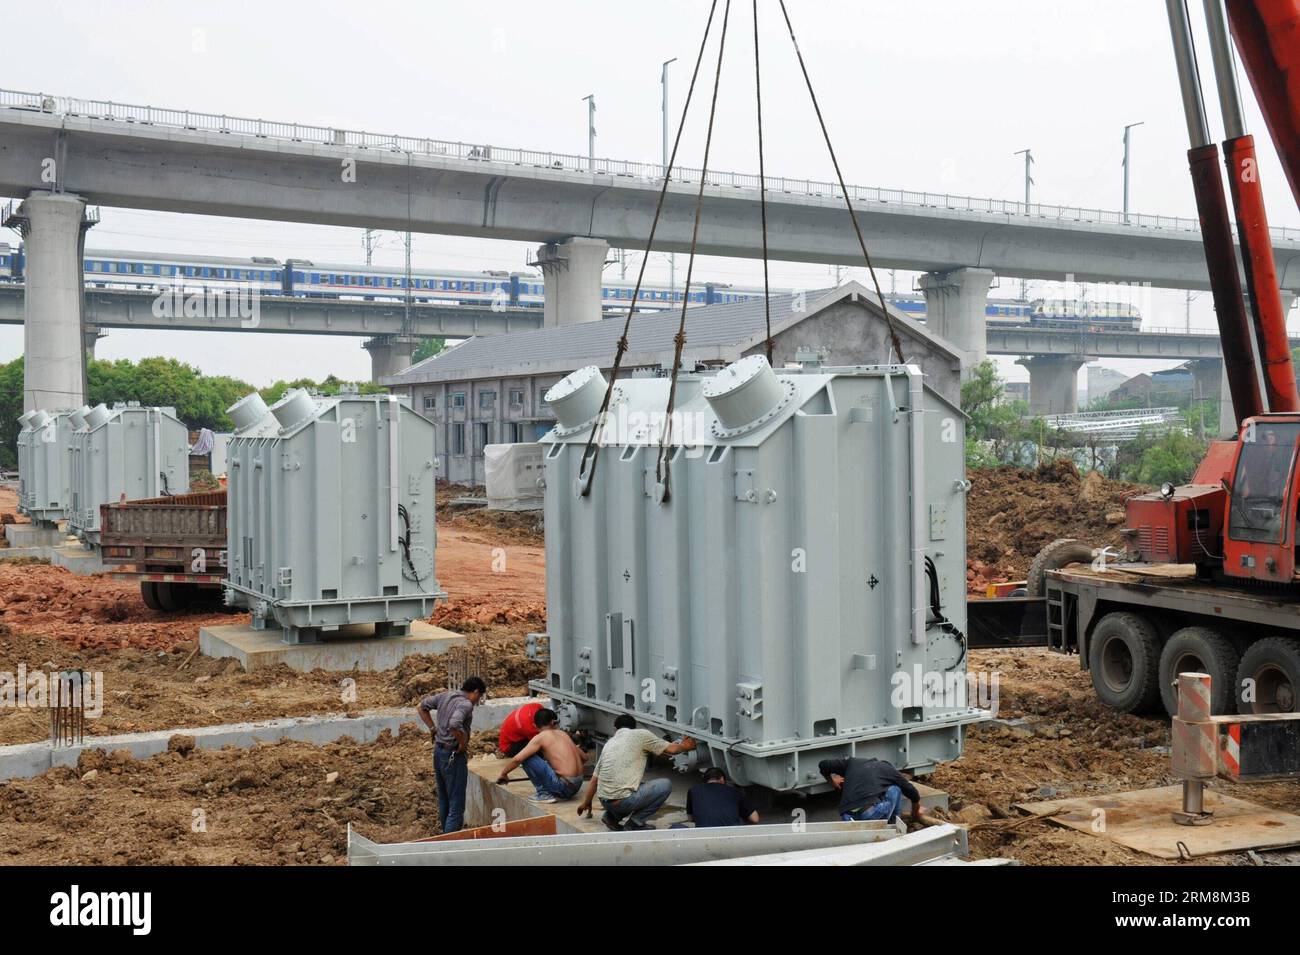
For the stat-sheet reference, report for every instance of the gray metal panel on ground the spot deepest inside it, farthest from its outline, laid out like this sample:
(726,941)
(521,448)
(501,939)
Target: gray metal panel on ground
(915,848)
(666,847)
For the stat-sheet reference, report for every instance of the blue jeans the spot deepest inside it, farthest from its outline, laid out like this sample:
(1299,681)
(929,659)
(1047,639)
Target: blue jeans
(642,804)
(546,781)
(886,809)
(451,773)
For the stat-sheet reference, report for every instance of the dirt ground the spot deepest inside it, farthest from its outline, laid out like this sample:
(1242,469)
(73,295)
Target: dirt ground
(1012,513)
(1068,744)
(508,527)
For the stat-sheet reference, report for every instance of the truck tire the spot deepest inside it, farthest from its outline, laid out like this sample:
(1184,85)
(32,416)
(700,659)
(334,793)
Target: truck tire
(1124,659)
(1056,554)
(1270,676)
(1200,650)
(174,597)
(149,594)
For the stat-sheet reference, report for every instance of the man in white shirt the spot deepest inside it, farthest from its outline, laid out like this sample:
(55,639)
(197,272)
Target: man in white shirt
(617,779)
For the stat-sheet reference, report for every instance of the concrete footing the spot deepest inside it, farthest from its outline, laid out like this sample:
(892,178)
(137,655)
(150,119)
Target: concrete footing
(73,557)
(34,535)
(31,759)
(353,648)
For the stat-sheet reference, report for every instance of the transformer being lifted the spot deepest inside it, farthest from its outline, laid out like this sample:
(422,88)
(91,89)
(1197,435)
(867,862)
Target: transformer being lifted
(797,593)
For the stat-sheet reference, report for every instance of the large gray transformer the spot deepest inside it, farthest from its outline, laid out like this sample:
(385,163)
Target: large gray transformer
(124,453)
(330,513)
(773,601)
(45,464)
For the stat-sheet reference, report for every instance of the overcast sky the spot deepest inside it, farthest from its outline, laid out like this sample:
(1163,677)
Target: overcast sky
(933,96)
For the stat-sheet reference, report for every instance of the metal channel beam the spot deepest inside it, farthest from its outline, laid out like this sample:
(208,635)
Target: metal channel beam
(661,847)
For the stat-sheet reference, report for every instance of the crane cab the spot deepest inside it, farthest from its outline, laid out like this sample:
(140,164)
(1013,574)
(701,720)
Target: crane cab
(1237,518)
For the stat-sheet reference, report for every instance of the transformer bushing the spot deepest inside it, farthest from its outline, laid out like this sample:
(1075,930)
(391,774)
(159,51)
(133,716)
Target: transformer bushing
(776,604)
(330,514)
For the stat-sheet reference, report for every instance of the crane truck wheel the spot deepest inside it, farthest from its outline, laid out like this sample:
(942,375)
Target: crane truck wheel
(1124,659)
(1200,650)
(1268,680)
(1056,554)
(149,594)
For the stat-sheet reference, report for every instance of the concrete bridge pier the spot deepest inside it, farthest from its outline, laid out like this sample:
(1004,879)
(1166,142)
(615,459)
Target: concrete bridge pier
(54,227)
(571,270)
(1228,423)
(1053,383)
(955,303)
(389,354)
(91,336)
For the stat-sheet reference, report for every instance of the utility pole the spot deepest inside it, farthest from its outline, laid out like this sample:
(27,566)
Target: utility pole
(1029,176)
(406,303)
(1029,181)
(1126,174)
(663,115)
(591,131)
(368,241)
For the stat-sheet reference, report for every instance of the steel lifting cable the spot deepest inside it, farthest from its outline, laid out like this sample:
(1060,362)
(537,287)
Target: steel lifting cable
(591,452)
(679,340)
(762,191)
(889,321)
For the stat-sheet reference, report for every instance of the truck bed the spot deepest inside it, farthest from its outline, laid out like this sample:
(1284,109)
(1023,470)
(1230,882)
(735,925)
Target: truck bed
(1169,587)
(166,534)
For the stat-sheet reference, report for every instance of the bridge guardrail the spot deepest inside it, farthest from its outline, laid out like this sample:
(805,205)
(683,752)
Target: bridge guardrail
(571,162)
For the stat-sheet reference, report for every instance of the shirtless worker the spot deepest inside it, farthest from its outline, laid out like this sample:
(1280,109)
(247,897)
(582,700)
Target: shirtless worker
(550,759)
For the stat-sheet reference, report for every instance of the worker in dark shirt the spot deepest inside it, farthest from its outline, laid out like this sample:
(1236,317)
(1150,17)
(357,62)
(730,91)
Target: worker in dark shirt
(716,803)
(870,789)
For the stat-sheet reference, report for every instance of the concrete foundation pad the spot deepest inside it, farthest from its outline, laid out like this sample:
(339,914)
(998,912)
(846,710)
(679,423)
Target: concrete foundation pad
(1143,820)
(71,557)
(76,558)
(34,535)
(31,759)
(352,647)
(484,796)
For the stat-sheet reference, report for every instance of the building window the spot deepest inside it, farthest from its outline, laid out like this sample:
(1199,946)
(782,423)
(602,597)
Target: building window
(430,402)
(516,432)
(516,399)
(480,437)
(458,439)
(541,399)
(458,400)
(486,400)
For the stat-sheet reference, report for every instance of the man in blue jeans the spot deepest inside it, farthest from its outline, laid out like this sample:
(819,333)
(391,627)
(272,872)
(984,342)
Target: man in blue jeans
(870,789)
(451,725)
(551,760)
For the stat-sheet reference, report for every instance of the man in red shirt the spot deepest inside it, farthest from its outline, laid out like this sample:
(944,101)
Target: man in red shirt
(517,729)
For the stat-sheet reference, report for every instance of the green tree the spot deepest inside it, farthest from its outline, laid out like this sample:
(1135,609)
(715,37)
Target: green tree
(996,425)
(11,406)
(1159,455)
(200,400)
(427,348)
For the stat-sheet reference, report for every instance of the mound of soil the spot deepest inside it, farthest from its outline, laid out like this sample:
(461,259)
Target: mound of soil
(1012,513)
